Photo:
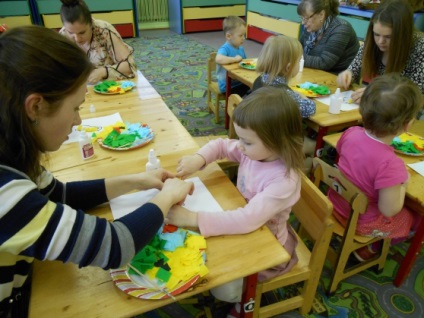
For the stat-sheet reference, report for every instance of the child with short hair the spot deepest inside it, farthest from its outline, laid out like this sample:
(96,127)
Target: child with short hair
(388,108)
(269,150)
(231,52)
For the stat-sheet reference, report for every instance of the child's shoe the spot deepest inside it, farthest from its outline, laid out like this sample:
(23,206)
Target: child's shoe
(364,253)
(234,312)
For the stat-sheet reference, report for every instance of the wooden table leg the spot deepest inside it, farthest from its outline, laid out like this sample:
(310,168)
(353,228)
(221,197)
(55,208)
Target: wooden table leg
(227,94)
(248,297)
(409,259)
(319,146)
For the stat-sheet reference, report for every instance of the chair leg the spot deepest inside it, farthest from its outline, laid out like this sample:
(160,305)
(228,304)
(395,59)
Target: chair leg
(208,101)
(217,109)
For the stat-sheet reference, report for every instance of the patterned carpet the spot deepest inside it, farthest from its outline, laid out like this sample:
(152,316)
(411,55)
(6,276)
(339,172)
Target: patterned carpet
(176,67)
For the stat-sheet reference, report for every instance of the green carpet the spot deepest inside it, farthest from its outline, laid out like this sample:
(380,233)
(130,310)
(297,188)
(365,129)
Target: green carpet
(176,67)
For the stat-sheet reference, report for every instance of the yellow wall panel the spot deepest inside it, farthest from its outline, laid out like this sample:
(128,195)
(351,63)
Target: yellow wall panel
(15,21)
(213,12)
(285,27)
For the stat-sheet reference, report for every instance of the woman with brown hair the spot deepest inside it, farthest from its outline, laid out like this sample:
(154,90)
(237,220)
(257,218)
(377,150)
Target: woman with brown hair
(391,46)
(112,57)
(44,78)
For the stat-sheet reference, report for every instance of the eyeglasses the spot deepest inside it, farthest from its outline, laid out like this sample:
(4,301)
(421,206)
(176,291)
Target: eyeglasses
(305,20)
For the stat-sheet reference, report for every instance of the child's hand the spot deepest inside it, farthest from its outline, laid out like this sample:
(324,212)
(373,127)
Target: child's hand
(180,216)
(237,58)
(344,79)
(356,95)
(189,164)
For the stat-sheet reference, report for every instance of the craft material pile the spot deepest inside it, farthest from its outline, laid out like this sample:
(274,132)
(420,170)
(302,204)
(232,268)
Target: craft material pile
(409,143)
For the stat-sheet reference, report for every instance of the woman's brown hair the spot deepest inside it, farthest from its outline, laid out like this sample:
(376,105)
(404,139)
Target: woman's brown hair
(75,10)
(276,119)
(34,59)
(398,15)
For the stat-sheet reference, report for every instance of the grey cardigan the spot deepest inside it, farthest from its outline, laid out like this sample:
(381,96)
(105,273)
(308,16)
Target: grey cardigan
(336,50)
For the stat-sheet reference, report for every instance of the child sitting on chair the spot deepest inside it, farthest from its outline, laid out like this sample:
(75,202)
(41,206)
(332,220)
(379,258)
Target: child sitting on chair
(231,52)
(279,62)
(269,150)
(388,108)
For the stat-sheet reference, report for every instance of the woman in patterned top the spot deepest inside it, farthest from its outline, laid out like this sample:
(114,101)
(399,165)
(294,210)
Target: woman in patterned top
(329,43)
(112,57)
(43,78)
(391,46)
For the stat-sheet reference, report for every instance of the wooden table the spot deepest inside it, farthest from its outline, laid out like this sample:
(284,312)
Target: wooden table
(64,290)
(414,200)
(322,121)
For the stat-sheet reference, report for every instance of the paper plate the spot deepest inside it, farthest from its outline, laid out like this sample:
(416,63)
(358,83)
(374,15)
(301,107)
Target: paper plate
(136,144)
(125,86)
(408,138)
(130,285)
(248,64)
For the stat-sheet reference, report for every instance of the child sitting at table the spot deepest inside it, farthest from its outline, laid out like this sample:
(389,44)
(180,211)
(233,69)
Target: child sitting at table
(388,108)
(231,52)
(279,62)
(269,150)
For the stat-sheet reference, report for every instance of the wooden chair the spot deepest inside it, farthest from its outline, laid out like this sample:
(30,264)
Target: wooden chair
(233,101)
(333,178)
(313,211)
(213,88)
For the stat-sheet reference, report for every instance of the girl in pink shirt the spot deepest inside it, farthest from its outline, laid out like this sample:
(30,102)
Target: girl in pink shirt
(388,108)
(269,150)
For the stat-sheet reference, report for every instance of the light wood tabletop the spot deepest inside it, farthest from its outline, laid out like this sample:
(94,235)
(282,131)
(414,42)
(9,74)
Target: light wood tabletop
(64,290)
(322,121)
(414,200)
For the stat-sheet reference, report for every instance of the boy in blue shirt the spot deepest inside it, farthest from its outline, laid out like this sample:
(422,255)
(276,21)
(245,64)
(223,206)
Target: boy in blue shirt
(231,52)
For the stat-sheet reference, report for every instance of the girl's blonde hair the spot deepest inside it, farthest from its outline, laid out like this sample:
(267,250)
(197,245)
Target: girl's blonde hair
(277,53)
(276,119)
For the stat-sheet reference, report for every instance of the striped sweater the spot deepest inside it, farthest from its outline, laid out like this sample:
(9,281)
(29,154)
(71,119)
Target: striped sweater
(46,221)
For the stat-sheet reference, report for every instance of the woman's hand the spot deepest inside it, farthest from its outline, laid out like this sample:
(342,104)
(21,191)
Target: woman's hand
(174,191)
(189,164)
(344,79)
(97,75)
(154,179)
(357,95)
(180,216)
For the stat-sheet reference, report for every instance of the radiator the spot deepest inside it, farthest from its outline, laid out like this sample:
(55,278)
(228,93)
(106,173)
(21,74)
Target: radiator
(152,11)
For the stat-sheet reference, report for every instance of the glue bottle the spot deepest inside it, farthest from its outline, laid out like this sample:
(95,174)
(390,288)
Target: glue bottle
(336,101)
(301,64)
(86,146)
(153,162)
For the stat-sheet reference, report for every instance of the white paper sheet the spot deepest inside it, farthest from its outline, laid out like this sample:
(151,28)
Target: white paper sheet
(418,167)
(98,122)
(144,88)
(200,200)
(345,106)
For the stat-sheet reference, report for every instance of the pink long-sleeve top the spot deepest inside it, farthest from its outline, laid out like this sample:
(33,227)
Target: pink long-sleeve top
(269,192)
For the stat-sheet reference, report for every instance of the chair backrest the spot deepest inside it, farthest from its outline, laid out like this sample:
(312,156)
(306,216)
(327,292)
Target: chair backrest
(313,211)
(233,101)
(211,66)
(334,179)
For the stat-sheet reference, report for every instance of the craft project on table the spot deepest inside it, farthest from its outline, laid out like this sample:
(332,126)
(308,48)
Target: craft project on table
(155,283)
(311,90)
(113,87)
(170,264)
(249,64)
(409,144)
(347,104)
